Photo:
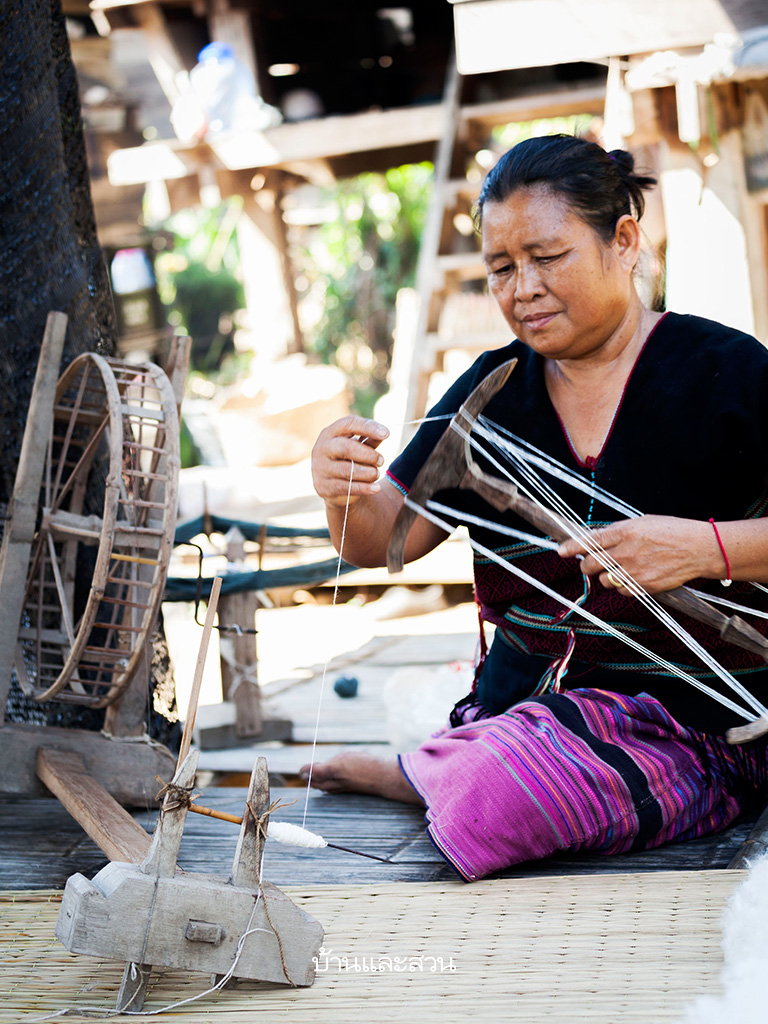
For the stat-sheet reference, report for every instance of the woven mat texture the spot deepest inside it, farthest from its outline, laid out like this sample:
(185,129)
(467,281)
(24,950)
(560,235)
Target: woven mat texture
(603,948)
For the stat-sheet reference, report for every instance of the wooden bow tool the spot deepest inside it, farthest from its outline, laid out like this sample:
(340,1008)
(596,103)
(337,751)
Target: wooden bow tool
(451,465)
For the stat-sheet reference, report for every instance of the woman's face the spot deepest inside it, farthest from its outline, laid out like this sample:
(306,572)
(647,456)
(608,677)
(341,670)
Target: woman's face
(562,289)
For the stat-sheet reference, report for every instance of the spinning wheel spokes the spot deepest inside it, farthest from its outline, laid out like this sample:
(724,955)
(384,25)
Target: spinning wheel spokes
(97,574)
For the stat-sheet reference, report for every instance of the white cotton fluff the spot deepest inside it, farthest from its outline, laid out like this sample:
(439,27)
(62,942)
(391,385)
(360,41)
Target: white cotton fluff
(294,835)
(745,952)
(418,701)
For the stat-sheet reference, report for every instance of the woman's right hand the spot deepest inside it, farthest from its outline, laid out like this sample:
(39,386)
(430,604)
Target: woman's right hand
(348,447)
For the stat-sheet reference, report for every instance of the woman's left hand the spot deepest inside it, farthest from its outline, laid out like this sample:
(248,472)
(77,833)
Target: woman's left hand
(659,552)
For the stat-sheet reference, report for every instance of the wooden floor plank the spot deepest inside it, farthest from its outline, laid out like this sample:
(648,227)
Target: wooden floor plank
(41,845)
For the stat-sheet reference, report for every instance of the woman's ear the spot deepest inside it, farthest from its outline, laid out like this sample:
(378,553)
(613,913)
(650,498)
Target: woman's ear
(627,238)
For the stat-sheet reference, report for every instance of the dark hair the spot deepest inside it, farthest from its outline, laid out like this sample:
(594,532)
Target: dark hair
(600,187)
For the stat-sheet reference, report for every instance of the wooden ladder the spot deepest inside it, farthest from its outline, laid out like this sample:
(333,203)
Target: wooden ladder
(450,308)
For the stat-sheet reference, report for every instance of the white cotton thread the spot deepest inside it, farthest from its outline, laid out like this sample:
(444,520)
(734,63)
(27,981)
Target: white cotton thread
(295,835)
(537,457)
(507,531)
(429,419)
(733,605)
(581,611)
(101,1014)
(576,529)
(325,666)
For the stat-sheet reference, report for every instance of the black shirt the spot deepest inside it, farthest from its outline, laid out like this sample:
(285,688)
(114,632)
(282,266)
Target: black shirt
(690,439)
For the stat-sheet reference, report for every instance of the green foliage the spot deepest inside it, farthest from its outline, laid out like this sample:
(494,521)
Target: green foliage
(188,451)
(206,302)
(199,282)
(509,135)
(353,267)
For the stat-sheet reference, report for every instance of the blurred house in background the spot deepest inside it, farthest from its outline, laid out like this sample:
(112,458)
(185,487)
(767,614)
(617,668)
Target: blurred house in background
(327,91)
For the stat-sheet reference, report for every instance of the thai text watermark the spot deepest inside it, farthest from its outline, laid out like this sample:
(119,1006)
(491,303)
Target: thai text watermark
(413,964)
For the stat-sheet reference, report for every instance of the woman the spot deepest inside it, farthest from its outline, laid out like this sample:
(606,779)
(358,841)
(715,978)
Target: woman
(669,413)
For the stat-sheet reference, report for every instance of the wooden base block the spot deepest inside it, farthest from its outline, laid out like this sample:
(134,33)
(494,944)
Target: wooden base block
(189,922)
(126,769)
(225,736)
(216,728)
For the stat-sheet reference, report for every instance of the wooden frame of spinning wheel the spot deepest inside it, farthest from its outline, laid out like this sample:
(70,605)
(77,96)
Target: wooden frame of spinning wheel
(126,770)
(120,419)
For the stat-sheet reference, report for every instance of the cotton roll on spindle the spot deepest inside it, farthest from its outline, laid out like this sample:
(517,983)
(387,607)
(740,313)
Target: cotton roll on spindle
(294,835)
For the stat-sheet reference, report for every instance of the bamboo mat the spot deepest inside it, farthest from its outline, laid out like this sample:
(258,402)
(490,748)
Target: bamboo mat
(606,948)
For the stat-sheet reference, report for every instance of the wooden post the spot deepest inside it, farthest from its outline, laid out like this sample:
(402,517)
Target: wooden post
(296,344)
(161,50)
(239,667)
(239,682)
(20,530)
(127,716)
(178,367)
(160,862)
(246,866)
(231,25)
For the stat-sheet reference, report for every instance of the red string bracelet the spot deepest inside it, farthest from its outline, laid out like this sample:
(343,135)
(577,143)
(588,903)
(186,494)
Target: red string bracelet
(727,581)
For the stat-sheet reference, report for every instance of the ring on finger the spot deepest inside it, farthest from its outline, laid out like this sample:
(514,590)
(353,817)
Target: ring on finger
(612,581)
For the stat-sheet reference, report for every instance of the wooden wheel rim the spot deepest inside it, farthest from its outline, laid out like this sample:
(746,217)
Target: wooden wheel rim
(121,417)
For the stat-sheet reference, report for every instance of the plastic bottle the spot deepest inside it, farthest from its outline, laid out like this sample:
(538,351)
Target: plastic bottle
(226,91)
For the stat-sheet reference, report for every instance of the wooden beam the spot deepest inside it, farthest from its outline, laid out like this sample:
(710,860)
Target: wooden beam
(498,35)
(111,827)
(233,26)
(561,101)
(126,769)
(161,50)
(339,135)
(303,147)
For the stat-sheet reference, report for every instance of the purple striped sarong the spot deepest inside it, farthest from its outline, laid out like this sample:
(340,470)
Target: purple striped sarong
(583,770)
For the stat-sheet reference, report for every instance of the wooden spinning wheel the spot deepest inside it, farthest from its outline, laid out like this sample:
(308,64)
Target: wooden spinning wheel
(96,577)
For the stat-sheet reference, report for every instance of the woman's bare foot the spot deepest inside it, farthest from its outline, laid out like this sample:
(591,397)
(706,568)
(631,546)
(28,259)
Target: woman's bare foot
(362,773)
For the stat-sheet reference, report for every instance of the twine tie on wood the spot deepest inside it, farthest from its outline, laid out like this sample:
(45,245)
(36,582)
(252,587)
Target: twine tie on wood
(242,673)
(182,795)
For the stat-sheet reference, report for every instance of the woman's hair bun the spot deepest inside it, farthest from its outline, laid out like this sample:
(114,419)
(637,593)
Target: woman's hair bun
(601,187)
(623,159)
